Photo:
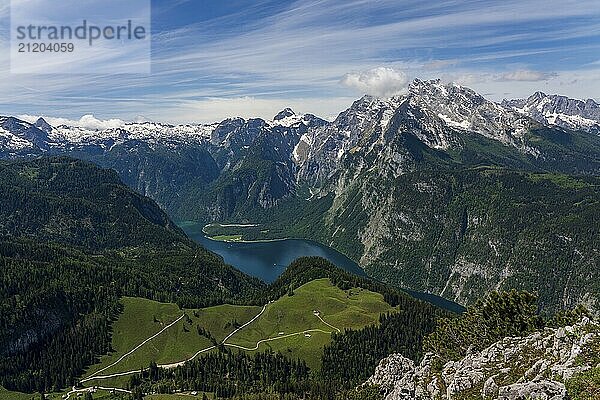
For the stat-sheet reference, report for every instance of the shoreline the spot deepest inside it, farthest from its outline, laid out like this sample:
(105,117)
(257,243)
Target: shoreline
(238,226)
(246,241)
(431,298)
(231,225)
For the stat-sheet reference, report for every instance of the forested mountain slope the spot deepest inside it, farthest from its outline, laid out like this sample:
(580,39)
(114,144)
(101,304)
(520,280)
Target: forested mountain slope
(462,233)
(74,202)
(74,240)
(396,184)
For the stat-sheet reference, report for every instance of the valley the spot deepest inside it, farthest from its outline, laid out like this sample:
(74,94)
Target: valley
(264,258)
(299,243)
(112,304)
(390,183)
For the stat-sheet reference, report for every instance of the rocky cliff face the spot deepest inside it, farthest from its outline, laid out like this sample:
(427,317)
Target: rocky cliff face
(560,111)
(461,234)
(437,115)
(537,366)
(422,186)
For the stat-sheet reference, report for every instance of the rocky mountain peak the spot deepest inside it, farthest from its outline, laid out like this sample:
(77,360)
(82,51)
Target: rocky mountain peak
(13,124)
(288,120)
(537,96)
(463,109)
(285,113)
(367,108)
(436,89)
(25,131)
(560,111)
(43,125)
(418,85)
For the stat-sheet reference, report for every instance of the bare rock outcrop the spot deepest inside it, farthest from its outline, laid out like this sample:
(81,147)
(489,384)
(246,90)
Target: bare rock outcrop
(515,368)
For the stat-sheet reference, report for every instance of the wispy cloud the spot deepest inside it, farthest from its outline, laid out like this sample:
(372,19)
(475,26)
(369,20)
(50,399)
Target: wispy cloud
(439,64)
(526,75)
(260,57)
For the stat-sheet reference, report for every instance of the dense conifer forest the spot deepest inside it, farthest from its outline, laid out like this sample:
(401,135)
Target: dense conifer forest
(73,240)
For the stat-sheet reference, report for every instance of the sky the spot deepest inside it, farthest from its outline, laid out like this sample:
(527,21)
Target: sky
(216,59)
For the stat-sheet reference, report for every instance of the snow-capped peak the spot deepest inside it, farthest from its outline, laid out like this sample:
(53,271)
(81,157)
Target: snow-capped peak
(561,111)
(287,118)
(462,108)
(285,113)
(41,124)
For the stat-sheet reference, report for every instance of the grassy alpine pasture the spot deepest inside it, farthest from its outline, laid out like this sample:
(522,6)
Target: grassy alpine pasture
(98,395)
(8,395)
(227,238)
(354,308)
(143,318)
(283,327)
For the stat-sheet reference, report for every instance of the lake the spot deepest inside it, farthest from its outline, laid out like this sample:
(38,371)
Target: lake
(267,260)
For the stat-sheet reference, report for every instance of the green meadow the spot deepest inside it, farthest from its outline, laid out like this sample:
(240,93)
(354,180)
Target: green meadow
(288,325)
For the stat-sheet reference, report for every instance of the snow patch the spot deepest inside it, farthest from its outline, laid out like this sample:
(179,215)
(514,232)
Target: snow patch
(450,122)
(14,142)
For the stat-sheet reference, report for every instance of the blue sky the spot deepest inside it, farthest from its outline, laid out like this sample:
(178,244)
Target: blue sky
(214,59)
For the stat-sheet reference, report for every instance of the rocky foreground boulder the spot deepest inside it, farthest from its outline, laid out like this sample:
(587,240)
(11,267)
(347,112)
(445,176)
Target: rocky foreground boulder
(538,366)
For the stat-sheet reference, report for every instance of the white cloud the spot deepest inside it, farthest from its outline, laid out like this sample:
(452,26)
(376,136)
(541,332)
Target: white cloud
(87,121)
(4,9)
(302,52)
(381,81)
(525,75)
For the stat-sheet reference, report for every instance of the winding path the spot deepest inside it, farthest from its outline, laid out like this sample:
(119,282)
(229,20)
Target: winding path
(327,323)
(95,375)
(222,342)
(132,350)
(108,389)
(276,338)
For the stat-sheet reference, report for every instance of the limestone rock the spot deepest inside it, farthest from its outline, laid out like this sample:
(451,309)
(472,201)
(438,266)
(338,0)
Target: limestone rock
(514,368)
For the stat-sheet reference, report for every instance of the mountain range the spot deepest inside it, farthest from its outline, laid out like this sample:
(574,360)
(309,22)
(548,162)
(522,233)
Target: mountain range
(561,111)
(437,189)
(78,249)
